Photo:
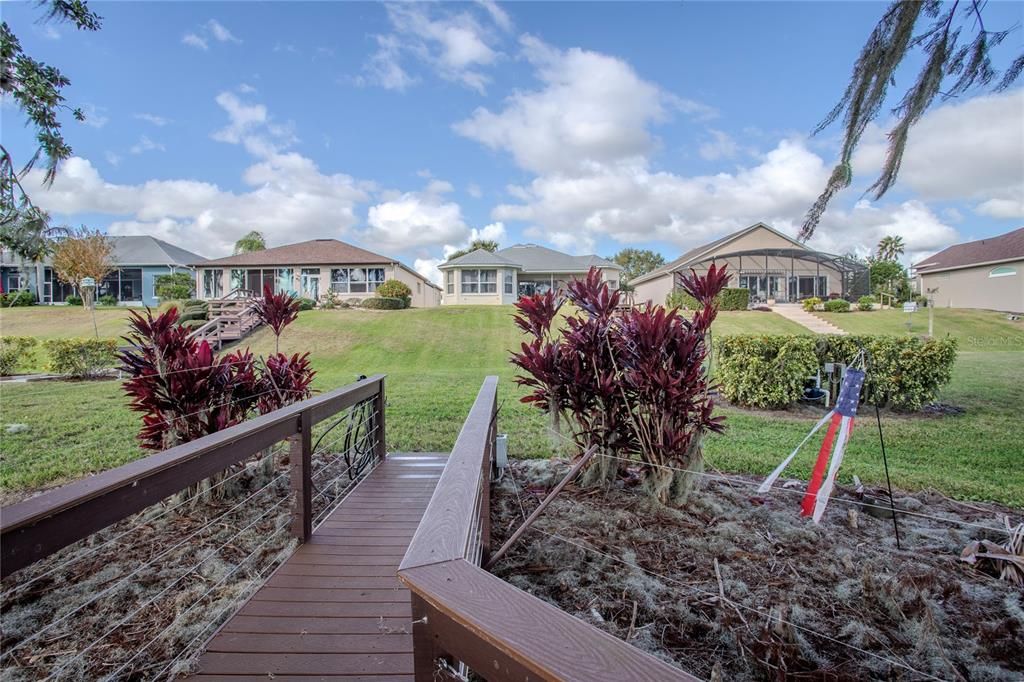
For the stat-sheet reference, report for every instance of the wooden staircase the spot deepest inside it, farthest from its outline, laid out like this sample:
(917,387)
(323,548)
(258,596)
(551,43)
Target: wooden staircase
(231,318)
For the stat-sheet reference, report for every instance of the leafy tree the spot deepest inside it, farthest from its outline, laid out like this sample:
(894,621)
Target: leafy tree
(84,253)
(176,286)
(485,244)
(907,25)
(254,241)
(636,262)
(890,247)
(36,89)
(886,275)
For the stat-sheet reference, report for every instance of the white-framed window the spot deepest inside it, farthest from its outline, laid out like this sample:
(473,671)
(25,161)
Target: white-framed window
(449,281)
(14,281)
(508,283)
(356,280)
(479,281)
(613,284)
(213,283)
(419,288)
(1002,271)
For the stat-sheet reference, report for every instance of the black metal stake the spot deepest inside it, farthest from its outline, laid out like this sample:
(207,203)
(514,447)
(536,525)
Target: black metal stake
(888,483)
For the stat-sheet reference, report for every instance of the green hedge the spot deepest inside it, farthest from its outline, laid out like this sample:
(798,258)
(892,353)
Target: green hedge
(764,371)
(384,303)
(866,303)
(728,299)
(810,303)
(394,288)
(81,358)
(15,351)
(837,305)
(769,371)
(17,299)
(107,299)
(306,304)
(73,299)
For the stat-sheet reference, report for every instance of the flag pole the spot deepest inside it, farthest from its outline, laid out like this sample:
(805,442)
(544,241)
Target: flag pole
(888,482)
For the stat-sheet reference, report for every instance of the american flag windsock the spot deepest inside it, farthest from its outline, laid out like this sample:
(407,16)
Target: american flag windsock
(840,426)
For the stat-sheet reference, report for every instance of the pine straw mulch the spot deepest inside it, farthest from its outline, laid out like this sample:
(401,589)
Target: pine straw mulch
(780,579)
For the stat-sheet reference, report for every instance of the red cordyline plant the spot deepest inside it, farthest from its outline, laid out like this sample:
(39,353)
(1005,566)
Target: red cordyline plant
(277,311)
(185,392)
(633,383)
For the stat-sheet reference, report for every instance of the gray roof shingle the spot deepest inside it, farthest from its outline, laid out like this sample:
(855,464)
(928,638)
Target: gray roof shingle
(531,258)
(136,250)
(1002,247)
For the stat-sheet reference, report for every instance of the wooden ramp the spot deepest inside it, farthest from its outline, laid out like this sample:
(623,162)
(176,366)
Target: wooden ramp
(335,609)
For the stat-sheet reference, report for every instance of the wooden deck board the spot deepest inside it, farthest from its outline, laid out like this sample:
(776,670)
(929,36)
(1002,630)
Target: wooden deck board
(335,609)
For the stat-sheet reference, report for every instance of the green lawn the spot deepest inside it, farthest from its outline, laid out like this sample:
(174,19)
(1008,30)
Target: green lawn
(50,322)
(976,330)
(435,360)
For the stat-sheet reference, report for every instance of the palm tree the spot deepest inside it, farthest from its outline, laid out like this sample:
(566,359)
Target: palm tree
(253,241)
(890,248)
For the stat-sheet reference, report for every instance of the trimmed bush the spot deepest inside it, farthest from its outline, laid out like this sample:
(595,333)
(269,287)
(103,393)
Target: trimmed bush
(306,304)
(837,305)
(810,303)
(765,371)
(904,373)
(728,299)
(866,303)
(396,289)
(73,299)
(18,299)
(107,299)
(921,301)
(15,351)
(81,358)
(192,313)
(384,303)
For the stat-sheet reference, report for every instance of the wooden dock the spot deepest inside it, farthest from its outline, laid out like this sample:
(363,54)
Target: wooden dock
(336,610)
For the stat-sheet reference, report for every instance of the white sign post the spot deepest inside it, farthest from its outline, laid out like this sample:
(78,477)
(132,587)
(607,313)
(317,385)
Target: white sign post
(88,288)
(910,308)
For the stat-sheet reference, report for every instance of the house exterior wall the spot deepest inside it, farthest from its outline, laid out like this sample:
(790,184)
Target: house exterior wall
(423,295)
(559,279)
(147,295)
(974,287)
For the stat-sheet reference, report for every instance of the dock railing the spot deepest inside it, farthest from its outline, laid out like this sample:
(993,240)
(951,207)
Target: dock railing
(464,616)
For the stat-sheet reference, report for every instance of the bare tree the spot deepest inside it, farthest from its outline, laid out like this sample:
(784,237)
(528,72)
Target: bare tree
(84,253)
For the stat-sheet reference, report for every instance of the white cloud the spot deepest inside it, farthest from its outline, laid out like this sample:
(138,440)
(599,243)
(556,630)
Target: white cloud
(112,158)
(158,121)
(971,151)
(220,32)
(473,190)
(211,30)
(146,145)
(720,146)
(95,117)
(411,220)
(456,45)
(246,89)
(49,32)
(285,47)
(592,109)
(428,266)
(499,16)
(193,40)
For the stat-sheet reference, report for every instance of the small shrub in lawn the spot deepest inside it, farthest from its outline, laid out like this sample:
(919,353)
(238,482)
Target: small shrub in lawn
(81,358)
(395,289)
(73,299)
(765,371)
(384,303)
(811,303)
(837,305)
(921,301)
(15,351)
(306,304)
(107,299)
(866,303)
(18,299)
(193,302)
(679,299)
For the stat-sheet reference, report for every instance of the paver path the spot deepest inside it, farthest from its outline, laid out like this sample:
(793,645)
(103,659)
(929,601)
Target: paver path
(796,313)
(335,609)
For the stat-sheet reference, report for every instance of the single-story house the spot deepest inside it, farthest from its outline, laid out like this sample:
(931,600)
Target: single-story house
(139,260)
(773,266)
(986,274)
(310,269)
(484,277)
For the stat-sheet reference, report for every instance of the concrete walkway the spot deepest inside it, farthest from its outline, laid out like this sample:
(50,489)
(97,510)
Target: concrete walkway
(796,313)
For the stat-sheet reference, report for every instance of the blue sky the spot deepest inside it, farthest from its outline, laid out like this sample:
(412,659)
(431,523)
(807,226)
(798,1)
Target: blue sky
(410,128)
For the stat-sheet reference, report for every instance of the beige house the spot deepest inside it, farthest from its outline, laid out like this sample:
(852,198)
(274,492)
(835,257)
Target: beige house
(483,277)
(774,267)
(310,269)
(986,274)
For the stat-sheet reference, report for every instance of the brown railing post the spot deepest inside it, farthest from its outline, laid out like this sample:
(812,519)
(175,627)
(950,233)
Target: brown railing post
(301,463)
(426,653)
(378,419)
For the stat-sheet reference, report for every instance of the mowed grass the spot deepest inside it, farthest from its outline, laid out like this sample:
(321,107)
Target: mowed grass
(51,322)
(436,359)
(975,330)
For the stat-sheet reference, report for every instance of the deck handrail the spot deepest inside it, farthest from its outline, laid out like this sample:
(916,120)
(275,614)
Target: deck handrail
(38,527)
(463,613)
